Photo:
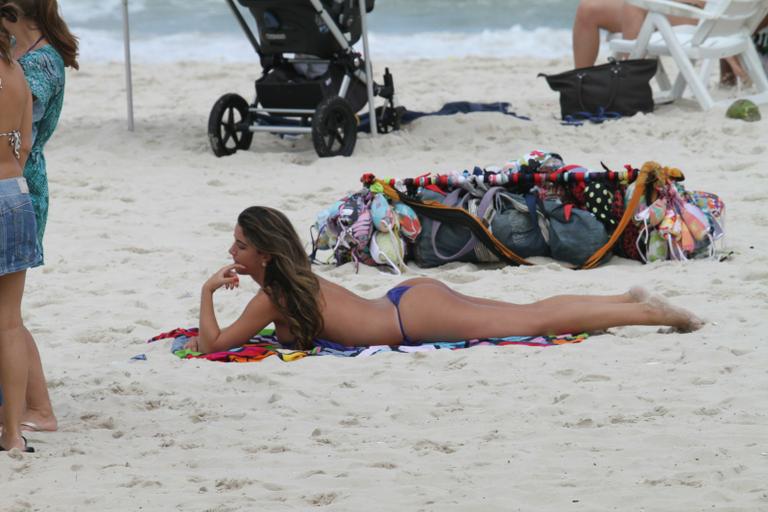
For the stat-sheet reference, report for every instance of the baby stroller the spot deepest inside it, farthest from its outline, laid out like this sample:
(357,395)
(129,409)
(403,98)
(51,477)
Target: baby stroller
(312,80)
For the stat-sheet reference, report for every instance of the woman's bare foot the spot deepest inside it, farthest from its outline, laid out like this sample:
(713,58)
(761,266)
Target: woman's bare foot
(7,444)
(674,316)
(35,422)
(638,294)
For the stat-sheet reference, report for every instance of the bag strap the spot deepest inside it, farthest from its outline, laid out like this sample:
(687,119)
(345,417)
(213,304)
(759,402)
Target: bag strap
(464,218)
(629,209)
(452,200)
(487,200)
(532,203)
(460,216)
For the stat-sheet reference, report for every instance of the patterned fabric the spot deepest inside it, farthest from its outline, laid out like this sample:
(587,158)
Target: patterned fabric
(265,345)
(44,70)
(599,201)
(629,241)
(677,224)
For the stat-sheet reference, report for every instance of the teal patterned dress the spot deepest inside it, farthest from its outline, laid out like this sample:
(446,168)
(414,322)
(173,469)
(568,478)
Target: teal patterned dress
(44,70)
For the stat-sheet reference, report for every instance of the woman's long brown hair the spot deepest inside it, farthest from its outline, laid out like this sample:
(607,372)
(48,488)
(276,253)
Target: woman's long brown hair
(288,277)
(45,14)
(5,45)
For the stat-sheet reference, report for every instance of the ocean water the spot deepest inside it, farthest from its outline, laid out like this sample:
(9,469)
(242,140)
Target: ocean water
(176,30)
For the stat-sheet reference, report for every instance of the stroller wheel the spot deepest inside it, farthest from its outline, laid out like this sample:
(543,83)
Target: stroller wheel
(334,128)
(228,125)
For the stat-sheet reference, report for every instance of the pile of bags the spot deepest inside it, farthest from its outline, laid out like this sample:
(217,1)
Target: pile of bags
(534,206)
(672,223)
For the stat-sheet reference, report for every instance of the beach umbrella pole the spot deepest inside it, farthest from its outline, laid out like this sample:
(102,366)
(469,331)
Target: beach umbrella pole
(128,78)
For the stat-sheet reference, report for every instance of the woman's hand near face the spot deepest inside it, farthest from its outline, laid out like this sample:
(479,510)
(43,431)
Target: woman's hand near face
(226,276)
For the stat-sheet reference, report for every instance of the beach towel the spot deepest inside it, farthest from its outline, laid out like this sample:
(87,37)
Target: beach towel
(265,345)
(449,109)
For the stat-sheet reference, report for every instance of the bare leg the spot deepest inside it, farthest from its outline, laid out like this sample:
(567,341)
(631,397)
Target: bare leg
(632,19)
(591,16)
(737,69)
(727,77)
(730,67)
(14,366)
(39,411)
(430,313)
(635,294)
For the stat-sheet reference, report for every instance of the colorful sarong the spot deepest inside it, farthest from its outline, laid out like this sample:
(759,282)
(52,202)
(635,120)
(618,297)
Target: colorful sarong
(265,344)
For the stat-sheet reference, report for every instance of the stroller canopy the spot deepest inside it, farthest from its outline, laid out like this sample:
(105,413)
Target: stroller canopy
(293,26)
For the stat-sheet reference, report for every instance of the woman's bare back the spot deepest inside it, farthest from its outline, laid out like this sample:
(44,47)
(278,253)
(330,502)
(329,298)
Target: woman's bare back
(14,96)
(353,320)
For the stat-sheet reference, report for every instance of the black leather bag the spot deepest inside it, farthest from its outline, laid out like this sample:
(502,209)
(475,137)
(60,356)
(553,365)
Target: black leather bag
(620,86)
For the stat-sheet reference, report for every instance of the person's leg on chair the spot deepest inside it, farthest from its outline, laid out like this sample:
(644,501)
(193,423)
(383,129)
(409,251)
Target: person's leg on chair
(591,16)
(632,18)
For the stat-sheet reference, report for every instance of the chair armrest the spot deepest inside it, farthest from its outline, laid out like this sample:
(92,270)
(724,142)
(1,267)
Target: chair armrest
(672,8)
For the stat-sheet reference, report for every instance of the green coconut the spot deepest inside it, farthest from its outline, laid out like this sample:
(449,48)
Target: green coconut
(744,110)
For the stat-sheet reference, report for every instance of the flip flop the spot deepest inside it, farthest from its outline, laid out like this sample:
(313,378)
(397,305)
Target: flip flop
(27,449)
(28,426)
(578,118)
(31,426)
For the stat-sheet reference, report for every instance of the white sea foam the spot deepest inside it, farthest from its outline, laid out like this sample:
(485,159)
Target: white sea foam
(85,11)
(513,42)
(101,45)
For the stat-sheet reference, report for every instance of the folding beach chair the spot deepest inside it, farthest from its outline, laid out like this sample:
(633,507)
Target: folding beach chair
(724,29)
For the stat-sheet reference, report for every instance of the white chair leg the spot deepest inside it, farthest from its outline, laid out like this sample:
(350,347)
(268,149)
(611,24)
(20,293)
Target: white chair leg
(662,77)
(679,88)
(754,68)
(640,49)
(706,70)
(665,86)
(686,67)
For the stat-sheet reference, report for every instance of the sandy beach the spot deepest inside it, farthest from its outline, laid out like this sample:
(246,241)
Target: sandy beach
(632,419)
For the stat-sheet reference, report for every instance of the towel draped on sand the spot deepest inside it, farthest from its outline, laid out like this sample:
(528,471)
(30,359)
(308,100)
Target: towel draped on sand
(265,344)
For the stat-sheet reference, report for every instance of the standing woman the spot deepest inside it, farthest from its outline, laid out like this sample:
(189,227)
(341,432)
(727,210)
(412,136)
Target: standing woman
(18,244)
(44,47)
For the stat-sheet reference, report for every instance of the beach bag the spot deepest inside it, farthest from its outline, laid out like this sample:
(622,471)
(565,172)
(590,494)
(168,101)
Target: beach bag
(574,234)
(678,225)
(621,87)
(519,224)
(441,242)
(513,220)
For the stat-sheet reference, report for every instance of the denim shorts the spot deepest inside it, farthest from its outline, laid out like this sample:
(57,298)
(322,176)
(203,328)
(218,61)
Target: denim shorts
(18,227)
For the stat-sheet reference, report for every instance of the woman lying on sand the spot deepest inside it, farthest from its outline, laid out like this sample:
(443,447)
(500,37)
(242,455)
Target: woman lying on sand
(304,306)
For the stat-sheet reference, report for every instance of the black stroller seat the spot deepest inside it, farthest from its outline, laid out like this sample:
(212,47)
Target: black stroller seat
(292,26)
(312,79)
